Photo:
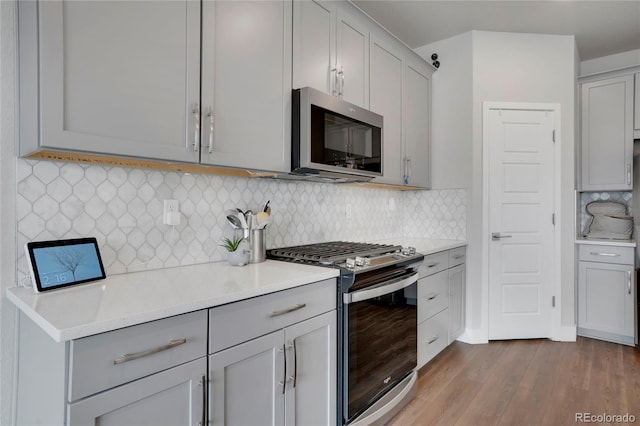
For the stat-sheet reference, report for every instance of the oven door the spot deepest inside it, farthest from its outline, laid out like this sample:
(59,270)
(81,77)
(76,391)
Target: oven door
(380,339)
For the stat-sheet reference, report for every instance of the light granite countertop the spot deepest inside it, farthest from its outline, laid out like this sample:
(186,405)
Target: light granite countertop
(129,299)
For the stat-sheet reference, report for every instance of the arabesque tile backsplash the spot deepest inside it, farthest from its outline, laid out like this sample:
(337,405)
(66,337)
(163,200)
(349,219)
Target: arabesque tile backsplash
(122,208)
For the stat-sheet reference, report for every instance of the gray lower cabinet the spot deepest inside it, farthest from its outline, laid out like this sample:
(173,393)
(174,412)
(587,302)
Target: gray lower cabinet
(606,295)
(441,302)
(148,374)
(273,359)
(457,280)
(172,397)
(282,378)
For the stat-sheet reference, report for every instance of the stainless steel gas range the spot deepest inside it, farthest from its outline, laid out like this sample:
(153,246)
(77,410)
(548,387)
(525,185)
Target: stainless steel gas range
(377,324)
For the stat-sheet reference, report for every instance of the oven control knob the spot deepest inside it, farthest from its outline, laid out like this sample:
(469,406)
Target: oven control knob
(408,251)
(351,263)
(362,261)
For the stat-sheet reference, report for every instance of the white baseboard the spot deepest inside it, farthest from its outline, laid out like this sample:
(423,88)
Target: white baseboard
(565,334)
(473,336)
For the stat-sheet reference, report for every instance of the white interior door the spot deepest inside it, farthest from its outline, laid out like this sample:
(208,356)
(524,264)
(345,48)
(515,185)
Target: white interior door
(521,247)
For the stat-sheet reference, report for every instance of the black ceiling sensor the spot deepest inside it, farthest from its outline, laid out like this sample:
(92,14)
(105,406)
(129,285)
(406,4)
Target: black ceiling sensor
(434,58)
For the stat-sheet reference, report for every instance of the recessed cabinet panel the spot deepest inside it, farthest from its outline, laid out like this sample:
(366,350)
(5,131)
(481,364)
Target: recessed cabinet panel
(311,357)
(386,100)
(606,298)
(417,123)
(244,383)
(246,84)
(314,44)
(352,58)
(607,134)
(172,397)
(457,301)
(119,77)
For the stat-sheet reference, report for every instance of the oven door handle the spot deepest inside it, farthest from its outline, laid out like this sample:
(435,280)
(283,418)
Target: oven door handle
(380,290)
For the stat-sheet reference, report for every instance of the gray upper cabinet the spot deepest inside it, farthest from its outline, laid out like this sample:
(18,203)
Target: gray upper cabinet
(114,77)
(246,84)
(124,78)
(331,50)
(400,90)
(352,57)
(417,122)
(607,134)
(314,41)
(386,100)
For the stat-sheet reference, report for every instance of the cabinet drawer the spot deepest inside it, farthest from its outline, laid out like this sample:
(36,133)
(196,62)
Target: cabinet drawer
(432,337)
(241,321)
(434,263)
(110,359)
(432,295)
(457,256)
(607,254)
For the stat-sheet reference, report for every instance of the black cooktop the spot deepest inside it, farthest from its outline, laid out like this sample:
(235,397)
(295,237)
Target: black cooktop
(331,252)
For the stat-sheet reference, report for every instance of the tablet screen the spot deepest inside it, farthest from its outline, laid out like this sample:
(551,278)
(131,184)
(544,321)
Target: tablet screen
(66,262)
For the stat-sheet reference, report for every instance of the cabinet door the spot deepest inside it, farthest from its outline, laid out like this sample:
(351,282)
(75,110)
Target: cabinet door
(120,77)
(417,122)
(457,284)
(172,397)
(314,45)
(606,298)
(247,383)
(607,134)
(311,371)
(246,84)
(352,57)
(386,100)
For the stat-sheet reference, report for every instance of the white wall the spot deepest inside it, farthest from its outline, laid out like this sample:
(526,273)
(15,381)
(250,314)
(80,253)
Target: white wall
(510,67)
(451,136)
(610,63)
(504,67)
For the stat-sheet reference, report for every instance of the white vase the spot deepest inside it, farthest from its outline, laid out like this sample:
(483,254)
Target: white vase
(240,257)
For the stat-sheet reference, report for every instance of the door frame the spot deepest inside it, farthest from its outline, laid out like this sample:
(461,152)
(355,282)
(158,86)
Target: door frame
(556,320)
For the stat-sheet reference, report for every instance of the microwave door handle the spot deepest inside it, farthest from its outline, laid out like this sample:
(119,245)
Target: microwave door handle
(395,285)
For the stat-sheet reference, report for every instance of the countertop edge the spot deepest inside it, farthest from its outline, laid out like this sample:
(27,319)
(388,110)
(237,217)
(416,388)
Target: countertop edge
(618,243)
(63,334)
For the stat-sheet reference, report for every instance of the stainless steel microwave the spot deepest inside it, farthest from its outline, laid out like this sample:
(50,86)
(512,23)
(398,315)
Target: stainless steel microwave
(333,138)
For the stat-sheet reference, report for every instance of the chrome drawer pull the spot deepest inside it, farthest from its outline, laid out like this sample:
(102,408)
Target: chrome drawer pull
(432,265)
(432,296)
(433,339)
(597,253)
(629,281)
(142,354)
(288,310)
(458,256)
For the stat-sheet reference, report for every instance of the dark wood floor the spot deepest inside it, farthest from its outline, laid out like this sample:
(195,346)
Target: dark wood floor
(526,382)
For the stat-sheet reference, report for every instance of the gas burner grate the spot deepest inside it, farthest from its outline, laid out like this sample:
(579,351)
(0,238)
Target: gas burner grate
(331,252)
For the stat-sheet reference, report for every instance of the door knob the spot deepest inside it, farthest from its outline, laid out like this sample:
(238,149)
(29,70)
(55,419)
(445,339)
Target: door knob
(495,236)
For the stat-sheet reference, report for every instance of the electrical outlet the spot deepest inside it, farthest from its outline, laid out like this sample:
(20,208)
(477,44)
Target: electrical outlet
(171,214)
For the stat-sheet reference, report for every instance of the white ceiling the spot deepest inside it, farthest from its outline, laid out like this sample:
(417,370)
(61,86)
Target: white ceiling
(601,27)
